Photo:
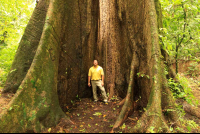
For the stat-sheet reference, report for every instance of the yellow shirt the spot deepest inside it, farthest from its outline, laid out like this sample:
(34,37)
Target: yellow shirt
(95,73)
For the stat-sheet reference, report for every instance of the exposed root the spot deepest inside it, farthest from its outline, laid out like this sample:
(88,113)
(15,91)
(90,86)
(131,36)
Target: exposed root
(122,102)
(191,109)
(128,101)
(168,103)
(151,121)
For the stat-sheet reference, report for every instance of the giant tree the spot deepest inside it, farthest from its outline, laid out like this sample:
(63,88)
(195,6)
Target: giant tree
(58,47)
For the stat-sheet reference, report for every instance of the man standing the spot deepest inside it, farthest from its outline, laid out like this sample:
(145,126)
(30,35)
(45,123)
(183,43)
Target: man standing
(97,79)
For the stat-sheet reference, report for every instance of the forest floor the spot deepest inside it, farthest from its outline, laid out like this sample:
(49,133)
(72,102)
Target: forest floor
(90,117)
(93,117)
(99,117)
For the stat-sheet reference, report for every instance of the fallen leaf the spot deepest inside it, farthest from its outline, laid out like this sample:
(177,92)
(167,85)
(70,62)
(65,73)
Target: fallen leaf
(66,131)
(96,109)
(83,130)
(61,130)
(111,126)
(105,120)
(49,130)
(91,118)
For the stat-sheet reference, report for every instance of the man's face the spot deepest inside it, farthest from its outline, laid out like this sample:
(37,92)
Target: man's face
(95,62)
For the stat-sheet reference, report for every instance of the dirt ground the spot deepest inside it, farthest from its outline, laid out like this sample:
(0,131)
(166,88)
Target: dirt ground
(4,100)
(98,117)
(86,116)
(93,117)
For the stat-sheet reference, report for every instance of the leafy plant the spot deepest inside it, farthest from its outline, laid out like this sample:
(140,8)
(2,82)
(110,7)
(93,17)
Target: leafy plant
(123,126)
(181,89)
(114,98)
(176,88)
(139,74)
(151,129)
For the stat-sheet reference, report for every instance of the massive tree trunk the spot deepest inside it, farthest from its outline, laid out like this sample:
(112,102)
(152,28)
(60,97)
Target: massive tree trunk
(27,48)
(51,69)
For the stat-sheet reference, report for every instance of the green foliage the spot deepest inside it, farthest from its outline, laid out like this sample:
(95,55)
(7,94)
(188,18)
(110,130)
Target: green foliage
(151,129)
(187,124)
(139,74)
(180,35)
(14,16)
(182,90)
(176,88)
(114,98)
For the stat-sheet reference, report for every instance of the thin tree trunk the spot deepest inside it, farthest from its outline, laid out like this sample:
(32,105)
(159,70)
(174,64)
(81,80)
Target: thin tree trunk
(128,104)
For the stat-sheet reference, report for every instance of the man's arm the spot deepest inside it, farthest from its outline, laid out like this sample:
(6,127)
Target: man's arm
(89,81)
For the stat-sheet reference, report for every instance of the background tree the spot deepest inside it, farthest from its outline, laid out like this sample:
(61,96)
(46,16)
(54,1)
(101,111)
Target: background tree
(180,32)
(14,16)
(53,58)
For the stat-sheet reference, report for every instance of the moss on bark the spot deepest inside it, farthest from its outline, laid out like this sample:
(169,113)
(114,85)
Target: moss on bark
(35,105)
(27,47)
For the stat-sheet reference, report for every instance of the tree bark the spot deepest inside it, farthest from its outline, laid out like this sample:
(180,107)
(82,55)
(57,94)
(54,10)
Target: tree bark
(121,34)
(27,48)
(35,105)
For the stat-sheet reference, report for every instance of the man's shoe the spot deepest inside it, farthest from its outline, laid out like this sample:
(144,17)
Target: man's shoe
(105,101)
(95,100)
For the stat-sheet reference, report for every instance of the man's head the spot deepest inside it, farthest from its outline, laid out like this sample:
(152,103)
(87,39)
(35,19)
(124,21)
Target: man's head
(95,62)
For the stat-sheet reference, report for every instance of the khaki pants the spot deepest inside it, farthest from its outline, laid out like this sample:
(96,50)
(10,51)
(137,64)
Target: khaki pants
(95,84)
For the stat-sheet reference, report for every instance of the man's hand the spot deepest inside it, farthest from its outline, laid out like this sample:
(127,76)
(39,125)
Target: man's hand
(89,84)
(102,83)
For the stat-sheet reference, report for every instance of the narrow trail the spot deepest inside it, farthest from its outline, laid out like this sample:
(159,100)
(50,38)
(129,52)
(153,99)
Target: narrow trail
(93,117)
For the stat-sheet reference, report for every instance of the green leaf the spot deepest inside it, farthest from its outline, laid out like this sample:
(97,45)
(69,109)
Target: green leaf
(97,113)
(188,128)
(49,130)
(111,126)
(10,108)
